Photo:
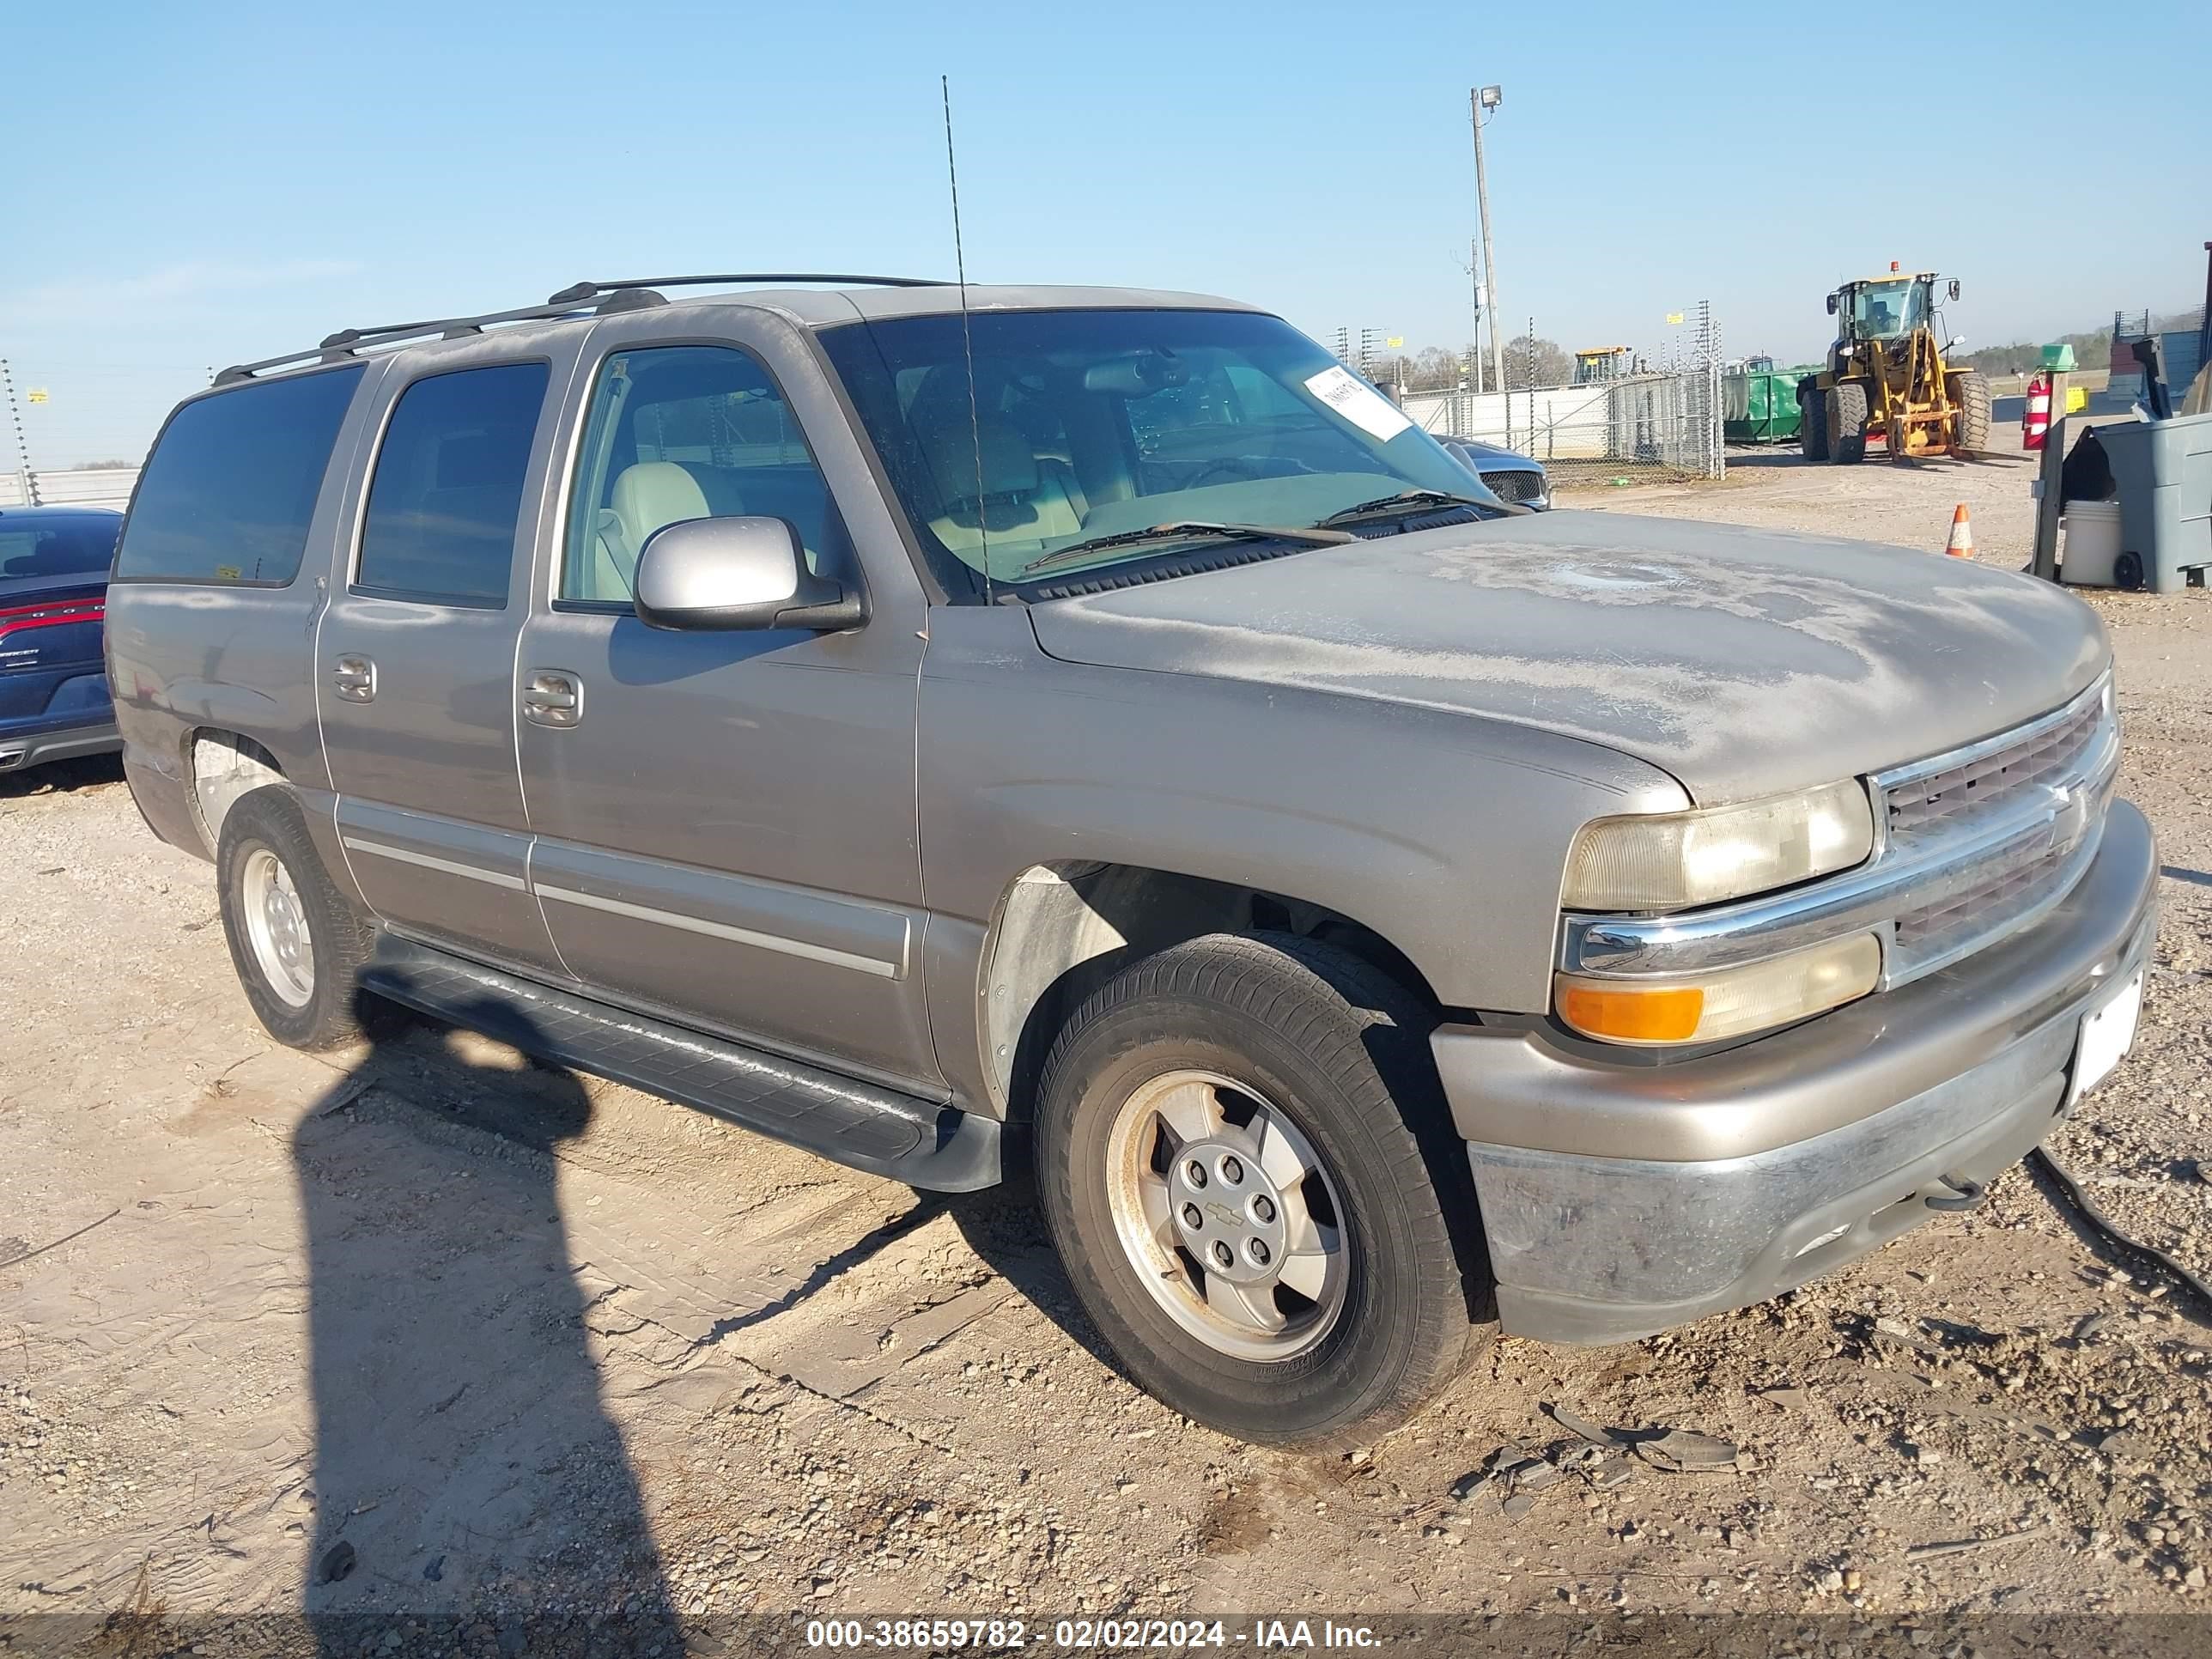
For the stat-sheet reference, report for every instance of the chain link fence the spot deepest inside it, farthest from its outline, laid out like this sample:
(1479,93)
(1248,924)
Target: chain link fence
(1635,416)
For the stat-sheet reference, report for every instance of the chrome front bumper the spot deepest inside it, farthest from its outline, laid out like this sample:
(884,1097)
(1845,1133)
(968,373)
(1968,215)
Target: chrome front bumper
(1622,1199)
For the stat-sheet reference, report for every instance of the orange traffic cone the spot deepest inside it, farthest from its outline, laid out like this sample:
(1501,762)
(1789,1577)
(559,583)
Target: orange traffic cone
(1961,544)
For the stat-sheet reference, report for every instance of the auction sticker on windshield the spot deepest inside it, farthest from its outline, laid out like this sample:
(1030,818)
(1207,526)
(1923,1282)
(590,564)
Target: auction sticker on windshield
(1358,402)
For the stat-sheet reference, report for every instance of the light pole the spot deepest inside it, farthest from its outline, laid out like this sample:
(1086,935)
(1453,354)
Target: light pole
(26,480)
(1481,100)
(1473,268)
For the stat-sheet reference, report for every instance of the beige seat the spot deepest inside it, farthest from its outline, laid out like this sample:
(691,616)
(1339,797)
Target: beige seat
(1004,496)
(646,497)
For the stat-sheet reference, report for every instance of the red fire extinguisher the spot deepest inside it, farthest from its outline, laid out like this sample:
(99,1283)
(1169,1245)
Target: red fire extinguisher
(2035,423)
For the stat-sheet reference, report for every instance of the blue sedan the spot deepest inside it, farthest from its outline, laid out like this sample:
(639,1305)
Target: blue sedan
(1511,476)
(53,599)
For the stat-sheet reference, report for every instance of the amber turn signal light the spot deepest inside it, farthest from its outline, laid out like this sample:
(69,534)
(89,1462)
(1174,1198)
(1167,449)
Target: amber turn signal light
(1662,1014)
(1731,1002)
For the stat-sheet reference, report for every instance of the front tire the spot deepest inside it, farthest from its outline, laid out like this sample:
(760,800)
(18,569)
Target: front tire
(297,944)
(1845,417)
(1813,422)
(1247,1166)
(1970,393)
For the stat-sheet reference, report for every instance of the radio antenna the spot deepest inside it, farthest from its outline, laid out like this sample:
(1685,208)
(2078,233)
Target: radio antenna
(967,337)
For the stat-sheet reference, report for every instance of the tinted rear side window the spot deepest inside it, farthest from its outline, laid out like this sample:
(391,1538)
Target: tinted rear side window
(227,492)
(448,485)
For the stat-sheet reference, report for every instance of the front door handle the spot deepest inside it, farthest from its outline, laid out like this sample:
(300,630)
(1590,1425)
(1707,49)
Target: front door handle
(552,696)
(354,679)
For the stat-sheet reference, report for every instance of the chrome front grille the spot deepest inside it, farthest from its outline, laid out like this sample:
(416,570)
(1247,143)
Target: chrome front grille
(2004,887)
(2004,827)
(1926,803)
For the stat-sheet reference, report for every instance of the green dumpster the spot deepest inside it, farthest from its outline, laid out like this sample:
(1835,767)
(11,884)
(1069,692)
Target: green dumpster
(1758,403)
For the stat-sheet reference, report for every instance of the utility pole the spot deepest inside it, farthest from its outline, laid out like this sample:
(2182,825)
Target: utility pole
(24,476)
(1474,340)
(1479,99)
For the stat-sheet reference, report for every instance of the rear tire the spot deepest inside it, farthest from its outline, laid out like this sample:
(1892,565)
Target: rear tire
(1845,417)
(1813,422)
(1970,393)
(297,944)
(1298,1080)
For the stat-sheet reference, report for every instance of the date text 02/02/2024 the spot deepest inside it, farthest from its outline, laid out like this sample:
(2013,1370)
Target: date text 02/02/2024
(1112,1635)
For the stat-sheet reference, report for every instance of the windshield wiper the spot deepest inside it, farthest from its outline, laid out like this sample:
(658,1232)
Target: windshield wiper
(1409,500)
(1180,530)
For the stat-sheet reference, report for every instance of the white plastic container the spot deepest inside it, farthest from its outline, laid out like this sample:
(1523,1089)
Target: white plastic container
(2092,544)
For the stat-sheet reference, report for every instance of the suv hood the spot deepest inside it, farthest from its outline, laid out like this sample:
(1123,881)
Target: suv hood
(1742,661)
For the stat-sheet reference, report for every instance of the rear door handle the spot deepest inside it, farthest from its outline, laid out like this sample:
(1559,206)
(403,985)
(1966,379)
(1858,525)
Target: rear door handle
(354,679)
(552,696)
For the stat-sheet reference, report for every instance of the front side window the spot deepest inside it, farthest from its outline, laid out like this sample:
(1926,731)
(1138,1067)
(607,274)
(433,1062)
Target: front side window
(686,432)
(447,491)
(227,493)
(1089,424)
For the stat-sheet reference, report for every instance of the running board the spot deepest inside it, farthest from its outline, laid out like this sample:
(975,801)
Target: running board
(920,1142)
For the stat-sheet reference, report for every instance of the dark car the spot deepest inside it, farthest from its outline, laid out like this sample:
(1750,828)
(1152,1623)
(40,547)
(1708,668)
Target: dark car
(1511,476)
(53,599)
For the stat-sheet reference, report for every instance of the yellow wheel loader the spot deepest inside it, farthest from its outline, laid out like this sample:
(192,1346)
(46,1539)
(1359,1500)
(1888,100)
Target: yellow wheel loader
(1886,378)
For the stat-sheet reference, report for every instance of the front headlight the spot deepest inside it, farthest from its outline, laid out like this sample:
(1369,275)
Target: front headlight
(1678,860)
(1727,1004)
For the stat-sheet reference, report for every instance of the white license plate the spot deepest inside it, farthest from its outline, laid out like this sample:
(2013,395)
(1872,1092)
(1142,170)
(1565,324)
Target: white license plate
(2108,1033)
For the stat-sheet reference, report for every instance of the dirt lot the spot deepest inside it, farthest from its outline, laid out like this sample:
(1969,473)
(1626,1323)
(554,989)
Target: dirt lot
(425,1333)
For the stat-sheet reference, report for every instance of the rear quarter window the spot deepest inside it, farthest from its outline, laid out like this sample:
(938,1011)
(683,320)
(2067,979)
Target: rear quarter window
(231,485)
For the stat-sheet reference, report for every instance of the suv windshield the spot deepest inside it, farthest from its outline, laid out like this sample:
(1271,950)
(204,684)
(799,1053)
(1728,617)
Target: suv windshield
(1090,424)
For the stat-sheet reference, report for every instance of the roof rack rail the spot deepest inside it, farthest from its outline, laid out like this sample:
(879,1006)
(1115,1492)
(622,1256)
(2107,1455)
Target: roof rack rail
(627,294)
(582,291)
(347,341)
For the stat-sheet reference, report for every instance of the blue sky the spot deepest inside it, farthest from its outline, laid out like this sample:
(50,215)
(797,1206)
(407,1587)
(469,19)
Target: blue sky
(194,185)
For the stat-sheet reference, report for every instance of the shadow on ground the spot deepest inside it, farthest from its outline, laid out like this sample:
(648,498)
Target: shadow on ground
(61,777)
(468,1483)
(466,1473)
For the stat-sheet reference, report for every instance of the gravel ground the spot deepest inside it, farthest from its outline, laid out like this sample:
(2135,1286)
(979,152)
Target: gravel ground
(455,1352)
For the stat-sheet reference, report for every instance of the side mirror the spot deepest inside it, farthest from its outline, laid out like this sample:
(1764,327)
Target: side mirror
(1831,305)
(1953,344)
(740,573)
(1954,288)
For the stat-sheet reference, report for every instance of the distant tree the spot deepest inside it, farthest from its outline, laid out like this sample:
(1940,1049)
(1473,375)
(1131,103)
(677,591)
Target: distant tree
(1434,369)
(2091,350)
(96,466)
(1538,362)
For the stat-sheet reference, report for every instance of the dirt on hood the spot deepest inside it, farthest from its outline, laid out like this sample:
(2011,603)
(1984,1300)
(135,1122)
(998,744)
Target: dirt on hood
(1741,661)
